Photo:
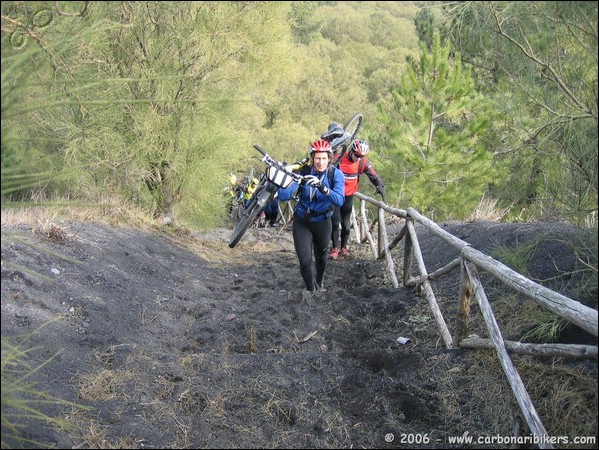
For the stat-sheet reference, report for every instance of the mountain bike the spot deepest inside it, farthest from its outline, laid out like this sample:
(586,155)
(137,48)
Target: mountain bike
(341,138)
(280,175)
(277,175)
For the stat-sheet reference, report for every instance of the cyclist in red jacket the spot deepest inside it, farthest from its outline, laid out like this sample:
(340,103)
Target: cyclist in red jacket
(353,164)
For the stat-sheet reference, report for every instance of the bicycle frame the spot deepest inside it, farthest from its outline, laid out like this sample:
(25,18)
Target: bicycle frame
(276,176)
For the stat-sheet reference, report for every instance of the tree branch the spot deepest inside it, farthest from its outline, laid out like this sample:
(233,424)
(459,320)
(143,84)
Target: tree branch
(545,66)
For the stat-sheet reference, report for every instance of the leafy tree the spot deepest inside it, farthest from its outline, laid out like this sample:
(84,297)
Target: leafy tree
(156,106)
(198,56)
(425,26)
(305,24)
(435,122)
(539,61)
(34,43)
(356,56)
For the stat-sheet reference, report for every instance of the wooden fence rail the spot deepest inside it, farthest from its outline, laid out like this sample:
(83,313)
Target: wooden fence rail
(470,288)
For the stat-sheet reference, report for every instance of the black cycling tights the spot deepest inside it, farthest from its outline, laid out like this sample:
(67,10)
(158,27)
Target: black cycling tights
(342,216)
(306,234)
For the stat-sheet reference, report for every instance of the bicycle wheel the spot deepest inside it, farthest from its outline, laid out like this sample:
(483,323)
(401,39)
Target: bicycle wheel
(353,125)
(248,215)
(351,128)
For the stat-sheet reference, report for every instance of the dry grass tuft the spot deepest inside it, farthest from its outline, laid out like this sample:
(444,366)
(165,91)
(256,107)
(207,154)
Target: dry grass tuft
(93,434)
(572,391)
(284,411)
(482,398)
(24,403)
(193,401)
(487,210)
(105,385)
(53,232)
(109,211)
(476,395)
(25,216)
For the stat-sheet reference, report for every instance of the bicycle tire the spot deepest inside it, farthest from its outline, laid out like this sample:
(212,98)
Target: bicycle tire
(248,217)
(353,125)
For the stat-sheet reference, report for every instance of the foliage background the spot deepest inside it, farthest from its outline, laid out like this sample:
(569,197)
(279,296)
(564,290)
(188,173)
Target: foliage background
(153,105)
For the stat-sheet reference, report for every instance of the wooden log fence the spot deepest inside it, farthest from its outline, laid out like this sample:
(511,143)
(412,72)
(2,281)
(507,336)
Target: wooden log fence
(470,288)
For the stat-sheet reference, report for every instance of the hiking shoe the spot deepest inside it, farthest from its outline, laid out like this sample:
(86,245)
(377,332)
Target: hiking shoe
(334,253)
(275,225)
(344,252)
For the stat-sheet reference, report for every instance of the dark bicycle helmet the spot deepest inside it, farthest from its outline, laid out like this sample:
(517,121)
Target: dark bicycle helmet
(360,147)
(321,146)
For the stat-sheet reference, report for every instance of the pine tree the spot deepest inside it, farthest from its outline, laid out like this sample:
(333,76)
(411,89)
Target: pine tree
(435,121)
(538,62)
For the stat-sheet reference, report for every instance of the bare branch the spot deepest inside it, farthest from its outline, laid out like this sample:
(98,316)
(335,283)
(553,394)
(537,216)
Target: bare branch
(545,66)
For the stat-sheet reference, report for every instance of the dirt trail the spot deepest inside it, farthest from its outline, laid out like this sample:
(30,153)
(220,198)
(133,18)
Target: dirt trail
(185,343)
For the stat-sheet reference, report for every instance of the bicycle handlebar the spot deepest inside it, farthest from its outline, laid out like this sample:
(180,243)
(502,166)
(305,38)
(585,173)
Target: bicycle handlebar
(260,150)
(287,168)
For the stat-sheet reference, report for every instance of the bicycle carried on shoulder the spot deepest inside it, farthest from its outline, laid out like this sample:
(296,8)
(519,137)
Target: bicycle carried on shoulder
(341,138)
(277,175)
(281,175)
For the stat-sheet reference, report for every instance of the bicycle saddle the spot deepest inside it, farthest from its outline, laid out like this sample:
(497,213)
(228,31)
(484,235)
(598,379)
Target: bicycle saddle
(334,131)
(337,136)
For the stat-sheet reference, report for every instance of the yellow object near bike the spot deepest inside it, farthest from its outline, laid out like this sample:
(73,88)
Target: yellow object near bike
(251,188)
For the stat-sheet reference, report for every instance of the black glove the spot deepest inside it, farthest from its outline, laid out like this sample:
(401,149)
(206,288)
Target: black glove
(313,181)
(381,190)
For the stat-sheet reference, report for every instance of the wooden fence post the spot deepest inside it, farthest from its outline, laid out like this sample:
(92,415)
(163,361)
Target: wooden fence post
(464,303)
(383,245)
(428,290)
(366,228)
(408,254)
(355,226)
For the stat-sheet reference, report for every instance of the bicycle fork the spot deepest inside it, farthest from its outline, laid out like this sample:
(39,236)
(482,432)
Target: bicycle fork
(267,193)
